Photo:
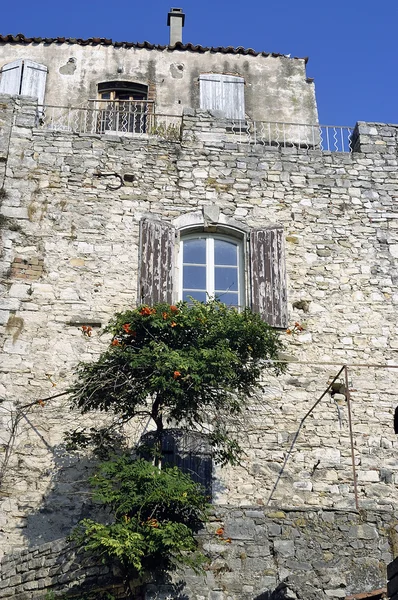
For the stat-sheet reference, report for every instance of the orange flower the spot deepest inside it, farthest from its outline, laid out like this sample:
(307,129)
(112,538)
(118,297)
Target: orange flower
(228,541)
(176,374)
(87,330)
(152,522)
(288,331)
(165,315)
(173,324)
(173,308)
(220,531)
(115,342)
(146,311)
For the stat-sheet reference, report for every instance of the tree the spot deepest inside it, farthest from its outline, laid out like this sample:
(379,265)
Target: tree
(191,365)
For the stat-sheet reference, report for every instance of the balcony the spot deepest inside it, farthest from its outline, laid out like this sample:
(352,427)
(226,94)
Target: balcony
(134,118)
(104,117)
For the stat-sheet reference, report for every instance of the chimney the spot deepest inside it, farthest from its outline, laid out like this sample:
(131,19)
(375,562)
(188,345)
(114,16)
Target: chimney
(175,20)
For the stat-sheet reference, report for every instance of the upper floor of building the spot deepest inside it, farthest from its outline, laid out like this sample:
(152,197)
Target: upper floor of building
(135,78)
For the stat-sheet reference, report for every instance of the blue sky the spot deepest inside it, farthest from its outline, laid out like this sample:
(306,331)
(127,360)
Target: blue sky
(352,44)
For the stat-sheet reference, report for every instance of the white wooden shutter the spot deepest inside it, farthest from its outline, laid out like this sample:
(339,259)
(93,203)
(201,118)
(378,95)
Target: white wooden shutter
(210,92)
(157,241)
(268,273)
(225,93)
(10,80)
(34,80)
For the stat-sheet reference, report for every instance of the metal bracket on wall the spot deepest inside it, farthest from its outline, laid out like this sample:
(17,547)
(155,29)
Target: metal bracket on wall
(111,187)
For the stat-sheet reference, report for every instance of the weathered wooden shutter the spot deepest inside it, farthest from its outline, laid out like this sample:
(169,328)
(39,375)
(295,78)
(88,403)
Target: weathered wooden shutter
(268,275)
(10,79)
(34,80)
(24,77)
(225,93)
(157,242)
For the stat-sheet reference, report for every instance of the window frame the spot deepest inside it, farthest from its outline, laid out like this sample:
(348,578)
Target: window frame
(265,285)
(122,115)
(235,237)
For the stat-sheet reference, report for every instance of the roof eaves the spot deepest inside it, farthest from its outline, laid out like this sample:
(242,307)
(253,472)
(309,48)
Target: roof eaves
(19,38)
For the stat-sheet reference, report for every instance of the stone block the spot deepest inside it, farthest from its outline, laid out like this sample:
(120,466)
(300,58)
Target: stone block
(19,290)
(240,529)
(284,547)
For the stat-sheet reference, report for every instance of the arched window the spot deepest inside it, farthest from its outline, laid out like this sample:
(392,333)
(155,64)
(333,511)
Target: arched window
(211,266)
(215,258)
(123,107)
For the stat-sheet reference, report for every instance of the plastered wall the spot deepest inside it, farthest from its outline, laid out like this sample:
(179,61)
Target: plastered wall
(276,87)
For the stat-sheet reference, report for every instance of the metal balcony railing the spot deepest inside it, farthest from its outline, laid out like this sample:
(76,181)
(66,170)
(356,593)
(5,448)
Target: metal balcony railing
(330,138)
(132,117)
(124,117)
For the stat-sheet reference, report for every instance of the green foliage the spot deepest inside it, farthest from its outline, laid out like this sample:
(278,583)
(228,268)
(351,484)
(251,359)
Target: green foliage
(189,363)
(195,365)
(156,515)
(104,441)
(168,132)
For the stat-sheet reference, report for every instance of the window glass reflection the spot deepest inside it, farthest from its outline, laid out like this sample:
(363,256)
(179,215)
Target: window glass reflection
(225,253)
(195,251)
(226,278)
(194,277)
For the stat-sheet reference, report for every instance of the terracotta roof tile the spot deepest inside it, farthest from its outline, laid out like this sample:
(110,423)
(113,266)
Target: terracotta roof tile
(21,39)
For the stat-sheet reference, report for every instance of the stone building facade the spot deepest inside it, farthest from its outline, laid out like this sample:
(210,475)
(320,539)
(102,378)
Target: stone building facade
(101,75)
(73,208)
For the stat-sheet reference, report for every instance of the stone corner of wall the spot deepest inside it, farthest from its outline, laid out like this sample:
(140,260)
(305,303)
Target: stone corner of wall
(378,138)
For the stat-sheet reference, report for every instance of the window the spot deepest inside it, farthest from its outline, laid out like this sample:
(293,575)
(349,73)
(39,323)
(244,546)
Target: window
(233,268)
(25,78)
(211,266)
(225,93)
(190,451)
(122,106)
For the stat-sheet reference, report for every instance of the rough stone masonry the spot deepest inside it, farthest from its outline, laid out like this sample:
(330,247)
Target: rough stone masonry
(70,252)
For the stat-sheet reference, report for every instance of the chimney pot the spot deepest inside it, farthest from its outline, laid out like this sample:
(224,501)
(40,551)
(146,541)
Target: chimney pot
(176,21)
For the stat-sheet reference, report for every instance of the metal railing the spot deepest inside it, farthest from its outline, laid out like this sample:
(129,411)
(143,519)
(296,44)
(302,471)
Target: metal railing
(111,117)
(330,138)
(129,117)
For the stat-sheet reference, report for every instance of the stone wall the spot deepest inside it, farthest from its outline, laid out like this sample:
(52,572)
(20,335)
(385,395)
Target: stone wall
(317,555)
(340,221)
(52,567)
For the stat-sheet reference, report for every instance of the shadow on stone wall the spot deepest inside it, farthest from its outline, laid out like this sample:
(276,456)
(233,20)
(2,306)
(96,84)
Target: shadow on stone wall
(69,497)
(292,588)
(67,501)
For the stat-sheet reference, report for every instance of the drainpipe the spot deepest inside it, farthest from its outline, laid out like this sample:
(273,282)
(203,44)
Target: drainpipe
(175,20)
